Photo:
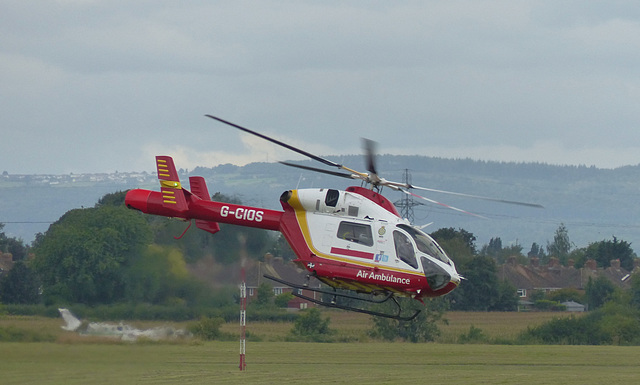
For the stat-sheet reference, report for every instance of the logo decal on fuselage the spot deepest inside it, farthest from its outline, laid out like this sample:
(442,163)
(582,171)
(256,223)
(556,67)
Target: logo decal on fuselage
(381,257)
(390,278)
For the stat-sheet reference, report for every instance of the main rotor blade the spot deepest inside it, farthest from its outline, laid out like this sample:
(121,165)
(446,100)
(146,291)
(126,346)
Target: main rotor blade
(478,197)
(369,147)
(442,204)
(279,143)
(328,162)
(334,173)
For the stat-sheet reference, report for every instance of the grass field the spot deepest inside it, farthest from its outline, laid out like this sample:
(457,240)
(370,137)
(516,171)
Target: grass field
(348,325)
(354,326)
(71,359)
(313,363)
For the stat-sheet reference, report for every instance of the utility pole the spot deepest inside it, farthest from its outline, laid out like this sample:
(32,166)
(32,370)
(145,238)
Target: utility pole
(243,318)
(243,305)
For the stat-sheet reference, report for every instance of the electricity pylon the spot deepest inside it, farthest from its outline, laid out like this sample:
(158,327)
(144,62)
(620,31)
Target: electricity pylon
(406,203)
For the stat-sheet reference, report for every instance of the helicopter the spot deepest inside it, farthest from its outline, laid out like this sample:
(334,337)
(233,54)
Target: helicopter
(353,240)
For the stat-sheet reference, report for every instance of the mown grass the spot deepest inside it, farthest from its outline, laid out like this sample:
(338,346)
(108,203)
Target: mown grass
(316,363)
(73,359)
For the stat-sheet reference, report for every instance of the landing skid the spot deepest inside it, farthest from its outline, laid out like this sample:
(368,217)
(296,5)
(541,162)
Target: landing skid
(333,304)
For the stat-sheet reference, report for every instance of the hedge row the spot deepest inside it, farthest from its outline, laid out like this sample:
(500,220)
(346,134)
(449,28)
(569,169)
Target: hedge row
(147,312)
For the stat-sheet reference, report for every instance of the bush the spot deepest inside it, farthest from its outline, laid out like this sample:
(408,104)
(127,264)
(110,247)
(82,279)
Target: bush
(423,328)
(311,327)
(13,334)
(282,300)
(474,336)
(207,329)
(30,310)
(613,323)
(568,331)
(148,312)
(548,305)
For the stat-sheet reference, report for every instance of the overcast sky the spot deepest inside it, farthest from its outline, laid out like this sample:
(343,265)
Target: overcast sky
(103,86)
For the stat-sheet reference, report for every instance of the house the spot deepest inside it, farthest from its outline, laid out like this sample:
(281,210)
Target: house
(217,275)
(6,263)
(533,277)
(286,271)
(574,306)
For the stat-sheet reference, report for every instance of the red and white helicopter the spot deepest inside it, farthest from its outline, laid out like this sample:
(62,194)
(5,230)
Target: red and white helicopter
(353,239)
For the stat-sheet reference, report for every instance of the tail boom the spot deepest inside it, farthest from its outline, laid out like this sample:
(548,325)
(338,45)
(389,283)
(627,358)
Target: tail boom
(204,212)
(175,201)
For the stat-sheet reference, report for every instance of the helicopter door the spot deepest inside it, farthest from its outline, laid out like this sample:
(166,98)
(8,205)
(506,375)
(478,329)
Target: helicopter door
(404,249)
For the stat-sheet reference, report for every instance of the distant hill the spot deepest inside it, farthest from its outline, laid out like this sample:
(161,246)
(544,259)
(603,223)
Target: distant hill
(593,203)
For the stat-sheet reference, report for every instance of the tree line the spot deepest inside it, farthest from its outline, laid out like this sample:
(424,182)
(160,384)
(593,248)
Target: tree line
(108,254)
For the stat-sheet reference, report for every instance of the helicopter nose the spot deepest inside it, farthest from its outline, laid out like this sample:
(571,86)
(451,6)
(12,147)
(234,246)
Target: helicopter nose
(438,277)
(455,278)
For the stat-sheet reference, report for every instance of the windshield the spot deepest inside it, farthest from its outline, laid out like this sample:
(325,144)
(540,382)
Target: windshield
(426,244)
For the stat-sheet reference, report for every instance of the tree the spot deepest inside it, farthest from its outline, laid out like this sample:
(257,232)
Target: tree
(450,233)
(196,244)
(635,290)
(536,251)
(480,290)
(83,256)
(507,299)
(265,294)
(501,254)
(561,245)
(423,328)
(458,244)
(112,199)
(599,291)
(493,249)
(20,285)
(282,249)
(159,275)
(605,251)
(13,246)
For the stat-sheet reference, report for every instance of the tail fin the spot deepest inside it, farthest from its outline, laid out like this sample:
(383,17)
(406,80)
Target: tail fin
(172,193)
(199,189)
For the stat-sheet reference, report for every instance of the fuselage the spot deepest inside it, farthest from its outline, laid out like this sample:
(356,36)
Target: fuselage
(353,239)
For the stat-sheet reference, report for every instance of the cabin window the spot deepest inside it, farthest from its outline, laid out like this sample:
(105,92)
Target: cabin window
(404,249)
(331,199)
(355,232)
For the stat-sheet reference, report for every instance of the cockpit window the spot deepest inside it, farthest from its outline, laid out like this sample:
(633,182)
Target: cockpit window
(404,249)
(426,244)
(355,232)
